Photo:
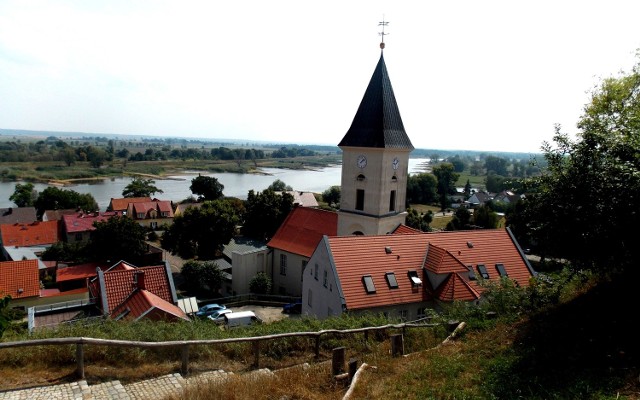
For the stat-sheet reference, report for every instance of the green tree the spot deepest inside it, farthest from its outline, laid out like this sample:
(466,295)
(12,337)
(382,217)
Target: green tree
(467,190)
(118,238)
(53,198)
(265,212)
(461,220)
(96,156)
(24,195)
(279,186)
(421,188)
(65,252)
(496,165)
(260,284)
(457,162)
(331,196)
(140,187)
(582,207)
(484,217)
(202,231)
(418,220)
(447,179)
(202,277)
(495,183)
(206,188)
(5,319)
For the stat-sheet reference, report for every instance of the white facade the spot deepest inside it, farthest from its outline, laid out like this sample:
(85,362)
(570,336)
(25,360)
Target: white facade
(287,272)
(321,292)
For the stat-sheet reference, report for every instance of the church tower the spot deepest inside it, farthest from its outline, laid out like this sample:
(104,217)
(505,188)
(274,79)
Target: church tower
(375,156)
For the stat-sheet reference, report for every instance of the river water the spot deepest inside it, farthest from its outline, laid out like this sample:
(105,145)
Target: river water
(235,185)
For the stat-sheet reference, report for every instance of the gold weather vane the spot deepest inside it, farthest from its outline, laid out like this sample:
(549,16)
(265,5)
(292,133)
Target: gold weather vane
(382,24)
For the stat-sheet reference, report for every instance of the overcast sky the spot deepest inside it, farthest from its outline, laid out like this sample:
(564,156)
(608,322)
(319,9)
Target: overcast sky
(467,74)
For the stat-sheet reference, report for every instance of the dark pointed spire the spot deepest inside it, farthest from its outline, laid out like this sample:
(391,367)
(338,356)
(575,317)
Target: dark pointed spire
(377,122)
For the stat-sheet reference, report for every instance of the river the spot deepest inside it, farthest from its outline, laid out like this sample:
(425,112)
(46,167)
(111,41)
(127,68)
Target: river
(235,185)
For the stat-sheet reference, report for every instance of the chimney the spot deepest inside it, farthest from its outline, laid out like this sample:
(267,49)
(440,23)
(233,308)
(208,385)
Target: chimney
(138,280)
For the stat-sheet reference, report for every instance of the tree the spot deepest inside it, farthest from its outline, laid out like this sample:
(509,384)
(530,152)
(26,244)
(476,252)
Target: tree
(96,156)
(202,231)
(206,188)
(24,195)
(279,186)
(467,190)
(260,284)
(331,196)
(496,165)
(495,183)
(447,179)
(418,220)
(484,217)
(202,277)
(140,187)
(118,238)
(583,206)
(53,198)
(461,220)
(265,212)
(421,188)
(4,314)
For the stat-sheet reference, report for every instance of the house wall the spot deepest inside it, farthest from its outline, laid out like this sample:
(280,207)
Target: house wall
(398,312)
(77,237)
(42,301)
(321,298)
(244,267)
(147,223)
(290,283)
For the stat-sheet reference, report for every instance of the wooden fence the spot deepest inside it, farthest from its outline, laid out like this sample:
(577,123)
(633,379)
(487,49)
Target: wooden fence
(184,345)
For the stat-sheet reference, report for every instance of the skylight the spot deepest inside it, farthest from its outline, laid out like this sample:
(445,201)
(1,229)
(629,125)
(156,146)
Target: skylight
(415,280)
(472,274)
(501,270)
(368,284)
(483,271)
(391,280)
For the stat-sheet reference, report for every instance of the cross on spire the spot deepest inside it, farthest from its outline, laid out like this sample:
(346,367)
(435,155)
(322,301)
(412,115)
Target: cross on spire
(383,23)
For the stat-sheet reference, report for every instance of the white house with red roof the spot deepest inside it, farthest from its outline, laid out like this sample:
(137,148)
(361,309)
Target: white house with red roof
(293,244)
(152,214)
(400,275)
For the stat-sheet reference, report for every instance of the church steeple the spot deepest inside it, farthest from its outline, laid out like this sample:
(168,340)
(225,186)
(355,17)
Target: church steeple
(375,155)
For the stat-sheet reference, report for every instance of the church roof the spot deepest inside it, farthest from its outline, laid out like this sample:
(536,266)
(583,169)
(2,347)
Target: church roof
(377,122)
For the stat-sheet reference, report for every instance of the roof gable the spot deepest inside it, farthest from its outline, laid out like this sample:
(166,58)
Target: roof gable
(33,234)
(144,304)
(377,122)
(456,288)
(441,261)
(119,284)
(303,229)
(19,279)
(122,203)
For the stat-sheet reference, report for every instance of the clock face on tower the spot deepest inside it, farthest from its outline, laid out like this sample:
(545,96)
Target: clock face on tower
(395,163)
(361,161)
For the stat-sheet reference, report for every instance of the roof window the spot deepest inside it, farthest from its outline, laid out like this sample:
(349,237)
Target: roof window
(413,276)
(391,280)
(368,284)
(472,274)
(483,271)
(501,270)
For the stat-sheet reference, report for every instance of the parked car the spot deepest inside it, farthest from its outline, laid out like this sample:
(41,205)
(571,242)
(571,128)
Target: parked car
(218,316)
(292,308)
(241,318)
(209,309)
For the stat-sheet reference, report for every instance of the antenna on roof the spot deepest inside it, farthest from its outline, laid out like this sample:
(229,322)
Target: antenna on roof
(382,24)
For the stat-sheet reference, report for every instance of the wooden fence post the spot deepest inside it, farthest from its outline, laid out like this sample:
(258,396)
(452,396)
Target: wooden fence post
(184,369)
(397,345)
(337,361)
(317,346)
(80,360)
(256,354)
(353,367)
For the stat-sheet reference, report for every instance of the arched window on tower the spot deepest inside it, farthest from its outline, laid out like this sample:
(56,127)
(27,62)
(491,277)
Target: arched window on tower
(360,178)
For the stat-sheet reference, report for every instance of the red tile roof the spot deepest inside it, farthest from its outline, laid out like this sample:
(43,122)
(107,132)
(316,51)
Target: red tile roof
(444,255)
(34,234)
(76,272)
(303,229)
(145,208)
(120,284)
(19,279)
(402,229)
(143,303)
(83,222)
(123,203)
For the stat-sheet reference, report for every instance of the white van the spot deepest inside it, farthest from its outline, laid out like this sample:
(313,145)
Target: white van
(241,318)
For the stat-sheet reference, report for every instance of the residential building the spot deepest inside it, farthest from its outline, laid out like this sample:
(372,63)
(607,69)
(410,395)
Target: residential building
(20,215)
(293,244)
(28,241)
(56,215)
(121,204)
(151,214)
(478,199)
(77,227)
(247,257)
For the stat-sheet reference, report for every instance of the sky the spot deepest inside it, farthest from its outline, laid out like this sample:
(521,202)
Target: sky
(467,74)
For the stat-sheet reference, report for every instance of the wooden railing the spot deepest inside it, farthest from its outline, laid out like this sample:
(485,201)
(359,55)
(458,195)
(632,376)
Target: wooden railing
(184,345)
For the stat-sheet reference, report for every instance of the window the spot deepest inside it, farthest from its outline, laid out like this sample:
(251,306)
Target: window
(483,271)
(283,264)
(154,225)
(472,275)
(360,177)
(164,214)
(368,284)
(140,215)
(413,277)
(392,201)
(310,298)
(404,314)
(501,270)
(324,278)
(391,280)
(360,199)
(420,312)
(78,237)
